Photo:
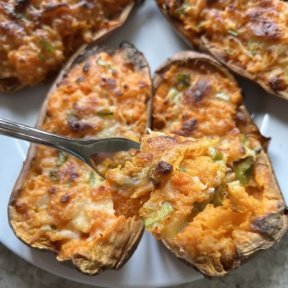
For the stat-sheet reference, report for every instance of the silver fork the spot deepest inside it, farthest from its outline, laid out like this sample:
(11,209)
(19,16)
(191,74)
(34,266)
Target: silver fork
(86,150)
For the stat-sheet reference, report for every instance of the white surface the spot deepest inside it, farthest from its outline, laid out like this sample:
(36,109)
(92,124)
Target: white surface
(151,265)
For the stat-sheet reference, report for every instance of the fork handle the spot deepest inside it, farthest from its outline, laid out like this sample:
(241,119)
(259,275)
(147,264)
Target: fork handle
(34,135)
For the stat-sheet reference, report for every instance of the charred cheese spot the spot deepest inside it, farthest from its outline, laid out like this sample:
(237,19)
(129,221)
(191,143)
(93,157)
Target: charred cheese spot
(187,128)
(265,28)
(277,83)
(197,92)
(86,67)
(240,117)
(21,4)
(163,168)
(21,206)
(109,83)
(65,199)
(75,124)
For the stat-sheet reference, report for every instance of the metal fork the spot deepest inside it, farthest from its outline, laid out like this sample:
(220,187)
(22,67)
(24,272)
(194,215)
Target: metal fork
(85,150)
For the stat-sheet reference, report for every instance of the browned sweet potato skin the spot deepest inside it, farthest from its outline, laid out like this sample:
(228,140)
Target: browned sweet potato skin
(247,36)
(71,186)
(265,230)
(39,37)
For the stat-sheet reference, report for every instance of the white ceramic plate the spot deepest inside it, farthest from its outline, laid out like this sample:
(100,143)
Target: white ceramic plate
(151,265)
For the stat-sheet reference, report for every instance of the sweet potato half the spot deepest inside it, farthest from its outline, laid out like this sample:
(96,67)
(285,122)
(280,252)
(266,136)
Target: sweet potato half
(37,37)
(59,203)
(202,183)
(249,37)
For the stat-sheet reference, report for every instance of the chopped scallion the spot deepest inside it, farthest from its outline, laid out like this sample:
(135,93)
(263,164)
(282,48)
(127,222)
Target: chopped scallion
(103,63)
(243,170)
(46,45)
(183,169)
(174,95)
(215,154)
(165,210)
(183,8)
(105,113)
(93,180)
(233,32)
(223,96)
(183,81)
(62,158)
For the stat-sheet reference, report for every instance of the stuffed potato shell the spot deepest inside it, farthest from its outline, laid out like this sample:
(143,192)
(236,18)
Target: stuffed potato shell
(37,37)
(250,37)
(213,199)
(59,203)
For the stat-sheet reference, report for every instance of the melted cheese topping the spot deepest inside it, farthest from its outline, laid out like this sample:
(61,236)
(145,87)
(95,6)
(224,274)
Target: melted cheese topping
(249,35)
(195,99)
(63,204)
(38,36)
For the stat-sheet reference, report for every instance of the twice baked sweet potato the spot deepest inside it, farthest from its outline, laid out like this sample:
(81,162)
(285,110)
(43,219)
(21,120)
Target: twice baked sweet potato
(61,204)
(213,199)
(38,36)
(249,37)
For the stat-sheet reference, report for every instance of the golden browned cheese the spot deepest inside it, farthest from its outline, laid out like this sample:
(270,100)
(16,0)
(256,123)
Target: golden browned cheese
(212,199)
(250,37)
(196,99)
(60,203)
(38,36)
(195,96)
